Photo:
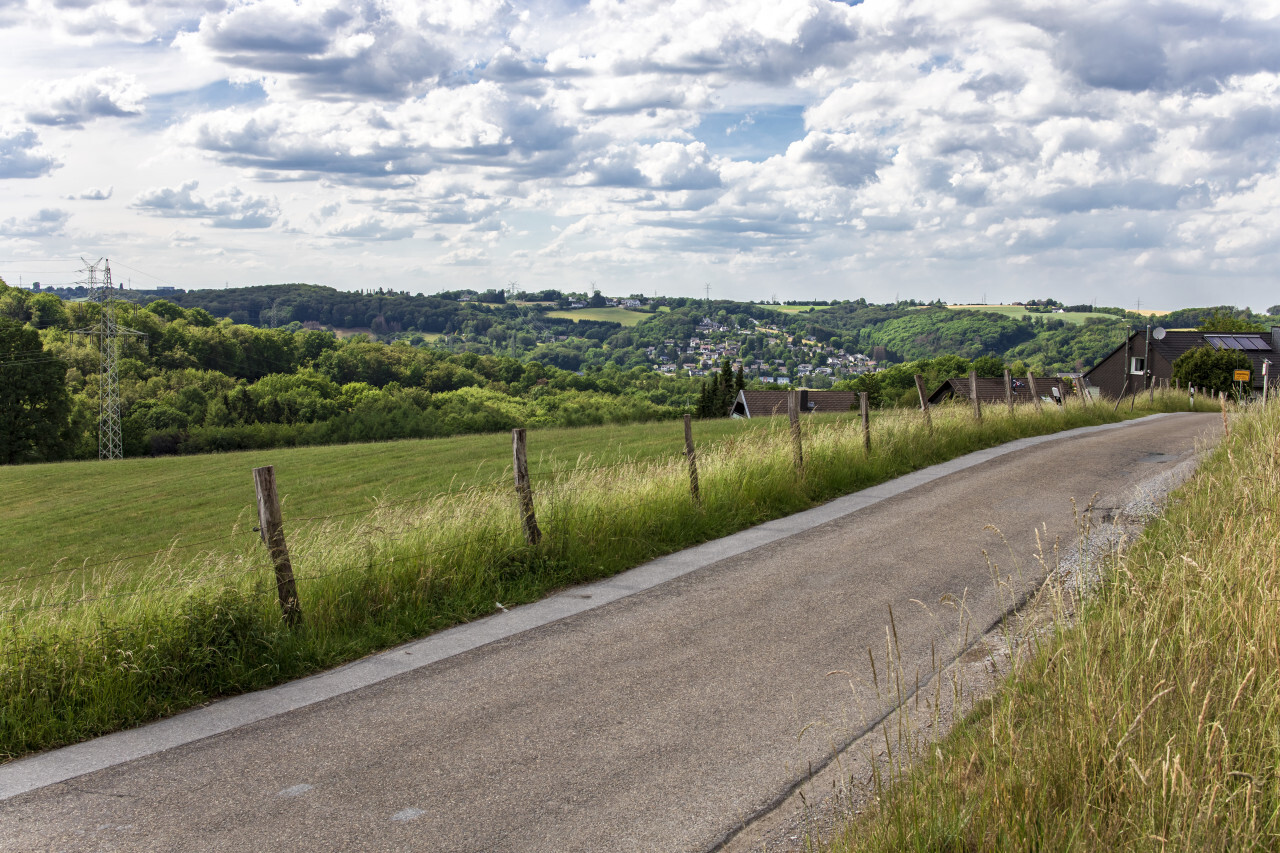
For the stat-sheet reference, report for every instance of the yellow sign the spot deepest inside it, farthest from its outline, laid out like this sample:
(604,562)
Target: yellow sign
(1242,376)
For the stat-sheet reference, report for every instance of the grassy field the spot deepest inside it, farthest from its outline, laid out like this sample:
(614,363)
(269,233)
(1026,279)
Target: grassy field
(1016,311)
(92,651)
(75,512)
(1152,723)
(612,315)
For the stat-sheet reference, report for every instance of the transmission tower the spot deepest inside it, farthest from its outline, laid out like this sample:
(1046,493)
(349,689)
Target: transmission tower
(108,333)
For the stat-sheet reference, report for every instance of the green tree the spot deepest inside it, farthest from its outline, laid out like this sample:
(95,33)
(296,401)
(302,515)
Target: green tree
(1209,368)
(34,406)
(989,366)
(1228,323)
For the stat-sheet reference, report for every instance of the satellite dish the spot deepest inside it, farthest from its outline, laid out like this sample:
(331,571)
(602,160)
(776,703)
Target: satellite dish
(1158,333)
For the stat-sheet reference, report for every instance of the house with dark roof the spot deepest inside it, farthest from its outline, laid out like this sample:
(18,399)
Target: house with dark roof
(1143,360)
(991,391)
(763,404)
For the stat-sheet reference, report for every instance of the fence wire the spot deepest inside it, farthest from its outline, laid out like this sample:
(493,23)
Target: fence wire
(560,481)
(124,559)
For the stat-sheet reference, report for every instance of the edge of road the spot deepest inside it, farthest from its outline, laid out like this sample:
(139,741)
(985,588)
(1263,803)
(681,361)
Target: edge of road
(59,765)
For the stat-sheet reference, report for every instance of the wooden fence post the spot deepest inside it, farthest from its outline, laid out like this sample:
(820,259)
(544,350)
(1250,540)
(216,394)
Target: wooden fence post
(924,402)
(1226,427)
(793,414)
(865,408)
(271,526)
(1084,395)
(692,456)
(524,490)
(1035,394)
(973,395)
(1120,399)
(1008,390)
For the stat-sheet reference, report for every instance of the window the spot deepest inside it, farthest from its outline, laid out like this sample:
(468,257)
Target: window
(1137,365)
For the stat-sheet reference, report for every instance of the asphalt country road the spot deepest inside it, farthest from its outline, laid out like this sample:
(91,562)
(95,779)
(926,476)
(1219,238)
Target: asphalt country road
(662,720)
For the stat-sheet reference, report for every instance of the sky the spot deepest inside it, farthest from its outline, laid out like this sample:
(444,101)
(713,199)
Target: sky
(1123,153)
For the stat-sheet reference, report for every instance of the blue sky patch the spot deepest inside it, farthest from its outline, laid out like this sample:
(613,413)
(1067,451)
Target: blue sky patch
(164,109)
(754,134)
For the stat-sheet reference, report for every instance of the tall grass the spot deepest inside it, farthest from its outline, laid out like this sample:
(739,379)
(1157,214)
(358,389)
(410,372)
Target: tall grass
(138,646)
(1152,722)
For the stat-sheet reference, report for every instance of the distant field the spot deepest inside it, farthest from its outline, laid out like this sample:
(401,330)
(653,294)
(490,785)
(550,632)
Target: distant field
(1076,317)
(90,511)
(792,309)
(346,333)
(612,315)
(365,330)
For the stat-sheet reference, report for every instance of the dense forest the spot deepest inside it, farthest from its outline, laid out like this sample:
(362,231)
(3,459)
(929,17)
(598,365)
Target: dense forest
(266,366)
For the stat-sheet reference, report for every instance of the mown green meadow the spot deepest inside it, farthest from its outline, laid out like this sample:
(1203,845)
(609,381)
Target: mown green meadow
(66,513)
(1151,723)
(379,561)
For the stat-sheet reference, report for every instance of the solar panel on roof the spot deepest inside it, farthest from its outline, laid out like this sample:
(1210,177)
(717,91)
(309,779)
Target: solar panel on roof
(1240,342)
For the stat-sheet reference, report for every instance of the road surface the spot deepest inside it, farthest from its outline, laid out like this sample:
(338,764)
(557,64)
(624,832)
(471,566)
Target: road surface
(661,720)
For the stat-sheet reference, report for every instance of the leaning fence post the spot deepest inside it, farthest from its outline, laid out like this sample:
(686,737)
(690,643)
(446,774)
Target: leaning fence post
(865,409)
(973,395)
(1008,390)
(532,534)
(271,526)
(1035,395)
(793,414)
(1124,390)
(924,402)
(693,459)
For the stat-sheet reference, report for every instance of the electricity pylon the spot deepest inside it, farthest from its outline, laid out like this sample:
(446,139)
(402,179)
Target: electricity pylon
(108,333)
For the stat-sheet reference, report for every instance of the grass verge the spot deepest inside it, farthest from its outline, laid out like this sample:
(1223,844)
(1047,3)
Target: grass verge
(1151,723)
(91,652)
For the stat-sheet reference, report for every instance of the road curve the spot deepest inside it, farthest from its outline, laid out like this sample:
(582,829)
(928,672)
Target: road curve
(662,720)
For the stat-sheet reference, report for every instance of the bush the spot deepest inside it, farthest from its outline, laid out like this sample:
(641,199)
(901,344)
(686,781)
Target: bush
(1209,368)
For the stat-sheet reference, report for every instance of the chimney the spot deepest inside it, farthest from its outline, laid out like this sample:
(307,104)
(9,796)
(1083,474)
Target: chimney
(1275,339)
(804,399)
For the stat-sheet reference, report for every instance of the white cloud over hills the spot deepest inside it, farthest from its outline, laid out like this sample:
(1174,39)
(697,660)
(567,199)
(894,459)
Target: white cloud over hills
(1114,151)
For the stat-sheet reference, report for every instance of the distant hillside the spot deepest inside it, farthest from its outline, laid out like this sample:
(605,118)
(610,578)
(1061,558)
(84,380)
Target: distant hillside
(275,305)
